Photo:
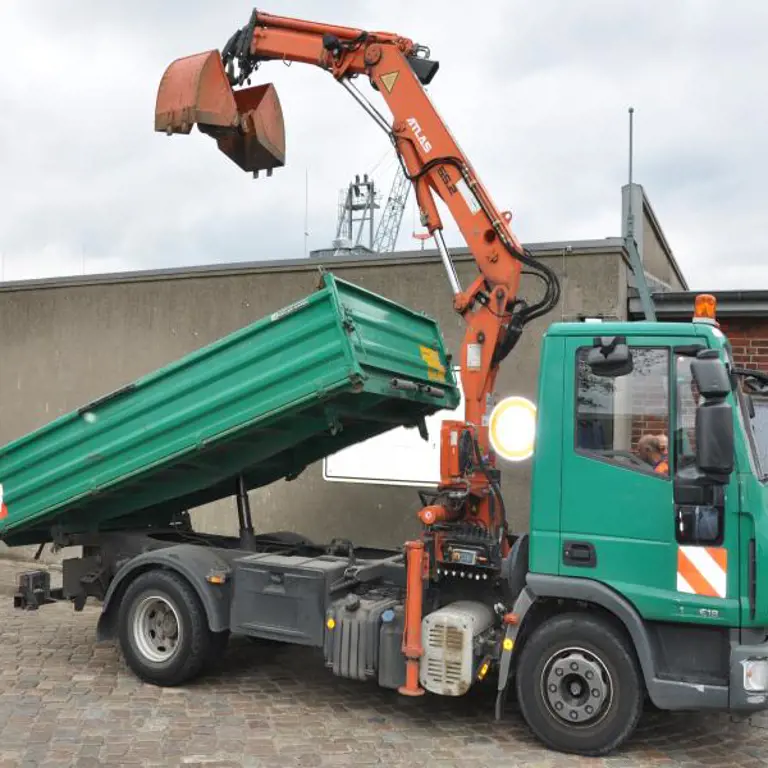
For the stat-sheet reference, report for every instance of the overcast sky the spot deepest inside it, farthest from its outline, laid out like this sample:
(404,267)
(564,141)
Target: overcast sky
(535,93)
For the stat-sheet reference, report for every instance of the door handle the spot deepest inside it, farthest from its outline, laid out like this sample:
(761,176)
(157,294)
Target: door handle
(579,553)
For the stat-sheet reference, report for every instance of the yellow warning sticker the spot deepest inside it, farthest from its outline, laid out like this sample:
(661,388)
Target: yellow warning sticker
(435,369)
(389,80)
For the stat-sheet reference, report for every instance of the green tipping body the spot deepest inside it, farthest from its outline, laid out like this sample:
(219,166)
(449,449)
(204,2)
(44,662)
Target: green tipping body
(263,402)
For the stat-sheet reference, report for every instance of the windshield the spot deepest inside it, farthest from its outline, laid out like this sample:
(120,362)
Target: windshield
(754,415)
(759,424)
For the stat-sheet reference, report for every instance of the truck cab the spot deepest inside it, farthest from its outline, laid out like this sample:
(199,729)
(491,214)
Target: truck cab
(666,548)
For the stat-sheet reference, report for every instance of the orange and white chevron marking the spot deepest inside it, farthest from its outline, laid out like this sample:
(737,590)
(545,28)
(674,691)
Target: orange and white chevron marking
(702,571)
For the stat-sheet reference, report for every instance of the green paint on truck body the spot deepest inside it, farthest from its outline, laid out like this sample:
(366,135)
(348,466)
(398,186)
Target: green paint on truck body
(264,402)
(625,512)
(316,377)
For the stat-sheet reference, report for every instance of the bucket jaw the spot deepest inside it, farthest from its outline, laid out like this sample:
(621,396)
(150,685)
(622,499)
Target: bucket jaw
(246,124)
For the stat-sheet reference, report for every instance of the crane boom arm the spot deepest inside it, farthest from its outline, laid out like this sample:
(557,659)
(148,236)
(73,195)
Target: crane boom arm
(247,124)
(468,510)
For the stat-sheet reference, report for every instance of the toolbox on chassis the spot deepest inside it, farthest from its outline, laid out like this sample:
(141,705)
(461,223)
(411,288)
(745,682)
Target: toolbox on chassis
(635,581)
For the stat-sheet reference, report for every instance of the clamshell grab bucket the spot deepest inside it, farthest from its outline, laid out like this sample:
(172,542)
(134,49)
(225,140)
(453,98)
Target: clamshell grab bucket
(247,124)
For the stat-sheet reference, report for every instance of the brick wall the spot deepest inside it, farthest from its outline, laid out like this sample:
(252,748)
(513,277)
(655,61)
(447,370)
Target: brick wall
(749,340)
(643,425)
(650,400)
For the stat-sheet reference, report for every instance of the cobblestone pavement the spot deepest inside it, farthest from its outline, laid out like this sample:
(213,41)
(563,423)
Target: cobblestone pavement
(66,701)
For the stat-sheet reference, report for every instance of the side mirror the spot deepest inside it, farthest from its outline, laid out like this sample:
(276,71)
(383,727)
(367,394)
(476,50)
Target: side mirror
(714,440)
(714,418)
(610,357)
(710,375)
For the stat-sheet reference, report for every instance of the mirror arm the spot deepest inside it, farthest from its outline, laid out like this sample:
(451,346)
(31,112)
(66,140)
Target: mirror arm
(748,372)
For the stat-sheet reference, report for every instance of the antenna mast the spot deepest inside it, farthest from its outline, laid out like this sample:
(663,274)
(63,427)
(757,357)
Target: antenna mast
(635,260)
(630,215)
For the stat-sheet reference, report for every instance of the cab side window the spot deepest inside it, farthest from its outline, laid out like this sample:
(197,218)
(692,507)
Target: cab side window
(687,402)
(625,419)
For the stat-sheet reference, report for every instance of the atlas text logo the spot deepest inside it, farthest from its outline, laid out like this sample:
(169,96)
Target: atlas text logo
(413,123)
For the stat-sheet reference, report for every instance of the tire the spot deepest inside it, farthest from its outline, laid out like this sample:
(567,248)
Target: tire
(163,629)
(606,714)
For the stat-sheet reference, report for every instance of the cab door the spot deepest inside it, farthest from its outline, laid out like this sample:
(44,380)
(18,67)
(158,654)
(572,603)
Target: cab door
(619,523)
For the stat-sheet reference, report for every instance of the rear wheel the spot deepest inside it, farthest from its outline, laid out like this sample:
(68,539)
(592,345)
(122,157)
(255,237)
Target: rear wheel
(163,629)
(578,685)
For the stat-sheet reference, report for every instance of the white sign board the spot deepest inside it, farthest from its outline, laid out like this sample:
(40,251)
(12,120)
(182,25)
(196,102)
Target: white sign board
(397,457)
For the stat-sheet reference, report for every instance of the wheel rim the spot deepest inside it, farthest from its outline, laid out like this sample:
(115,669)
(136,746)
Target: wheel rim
(156,629)
(576,687)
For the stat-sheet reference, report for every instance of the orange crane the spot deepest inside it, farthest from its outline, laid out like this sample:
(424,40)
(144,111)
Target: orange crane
(466,515)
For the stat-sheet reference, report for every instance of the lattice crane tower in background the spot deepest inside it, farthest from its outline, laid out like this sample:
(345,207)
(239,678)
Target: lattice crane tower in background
(357,205)
(392,217)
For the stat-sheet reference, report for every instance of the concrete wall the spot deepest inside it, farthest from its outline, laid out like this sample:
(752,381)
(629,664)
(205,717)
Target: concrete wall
(67,342)
(655,256)
(658,260)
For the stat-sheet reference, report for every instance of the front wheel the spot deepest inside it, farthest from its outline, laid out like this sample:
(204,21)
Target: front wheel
(163,629)
(578,685)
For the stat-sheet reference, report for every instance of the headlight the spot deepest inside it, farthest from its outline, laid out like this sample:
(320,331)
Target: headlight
(512,428)
(755,674)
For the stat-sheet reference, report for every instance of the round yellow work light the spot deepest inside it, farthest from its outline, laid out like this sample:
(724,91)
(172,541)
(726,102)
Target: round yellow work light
(512,428)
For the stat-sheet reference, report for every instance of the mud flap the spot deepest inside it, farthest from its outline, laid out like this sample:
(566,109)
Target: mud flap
(522,605)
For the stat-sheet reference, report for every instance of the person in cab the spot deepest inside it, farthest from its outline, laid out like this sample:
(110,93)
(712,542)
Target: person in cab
(653,449)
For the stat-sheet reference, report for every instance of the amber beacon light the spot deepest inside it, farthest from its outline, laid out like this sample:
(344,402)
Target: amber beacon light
(704,308)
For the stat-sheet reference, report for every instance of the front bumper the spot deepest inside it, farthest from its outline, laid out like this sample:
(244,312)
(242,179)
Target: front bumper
(690,696)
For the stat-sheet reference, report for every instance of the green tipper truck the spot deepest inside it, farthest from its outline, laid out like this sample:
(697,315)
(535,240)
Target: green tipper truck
(641,577)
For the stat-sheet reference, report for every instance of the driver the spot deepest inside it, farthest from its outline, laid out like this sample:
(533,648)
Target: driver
(652,449)
(664,443)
